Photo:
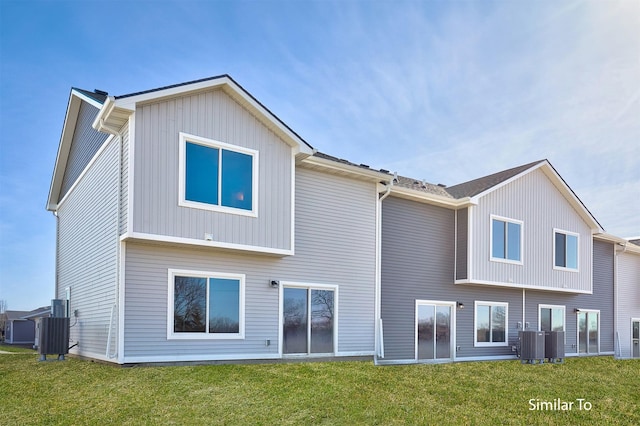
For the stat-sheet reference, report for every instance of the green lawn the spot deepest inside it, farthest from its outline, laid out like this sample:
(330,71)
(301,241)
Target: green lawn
(344,393)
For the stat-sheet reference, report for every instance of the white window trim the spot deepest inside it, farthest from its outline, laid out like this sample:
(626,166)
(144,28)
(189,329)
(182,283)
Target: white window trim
(171,335)
(564,317)
(336,314)
(183,202)
(475,323)
(578,312)
(564,268)
(507,220)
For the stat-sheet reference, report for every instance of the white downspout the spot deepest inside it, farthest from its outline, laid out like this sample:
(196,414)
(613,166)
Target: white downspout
(379,338)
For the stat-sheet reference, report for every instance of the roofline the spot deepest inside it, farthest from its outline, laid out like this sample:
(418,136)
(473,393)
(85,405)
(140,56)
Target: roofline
(239,93)
(584,212)
(329,165)
(433,199)
(66,135)
(626,245)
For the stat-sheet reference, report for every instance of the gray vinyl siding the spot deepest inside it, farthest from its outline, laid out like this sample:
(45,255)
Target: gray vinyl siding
(87,252)
(534,200)
(335,244)
(462,237)
(628,298)
(417,264)
(213,115)
(601,299)
(86,142)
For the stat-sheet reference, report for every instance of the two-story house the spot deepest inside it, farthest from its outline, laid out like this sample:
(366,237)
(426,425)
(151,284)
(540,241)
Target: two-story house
(194,225)
(464,268)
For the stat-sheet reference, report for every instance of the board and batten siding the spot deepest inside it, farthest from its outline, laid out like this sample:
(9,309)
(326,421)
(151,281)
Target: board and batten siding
(462,241)
(87,252)
(628,298)
(601,299)
(335,245)
(85,144)
(213,115)
(417,264)
(534,200)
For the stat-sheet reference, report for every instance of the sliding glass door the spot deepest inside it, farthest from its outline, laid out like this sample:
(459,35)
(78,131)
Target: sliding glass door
(308,318)
(434,325)
(588,332)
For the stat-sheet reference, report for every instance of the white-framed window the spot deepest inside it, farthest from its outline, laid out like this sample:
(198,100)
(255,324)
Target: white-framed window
(506,239)
(491,321)
(565,250)
(551,318)
(205,305)
(588,331)
(218,176)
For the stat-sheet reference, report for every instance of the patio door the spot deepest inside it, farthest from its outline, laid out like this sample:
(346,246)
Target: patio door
(308,320)
(588,332)
(635,338)
(434,330)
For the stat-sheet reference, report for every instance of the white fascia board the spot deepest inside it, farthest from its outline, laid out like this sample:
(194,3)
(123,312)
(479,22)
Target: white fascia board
(70,119)
(622,243)
(333,166)
(436,200)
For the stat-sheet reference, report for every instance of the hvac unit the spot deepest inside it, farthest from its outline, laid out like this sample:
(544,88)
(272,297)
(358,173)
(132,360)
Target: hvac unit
(554,346)
(54,333)
(531,346)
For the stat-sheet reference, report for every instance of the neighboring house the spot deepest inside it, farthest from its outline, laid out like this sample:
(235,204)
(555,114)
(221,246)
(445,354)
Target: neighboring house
(465,268)
(36,316)
(17,329)
(276,258)
(21,327)
(194,225)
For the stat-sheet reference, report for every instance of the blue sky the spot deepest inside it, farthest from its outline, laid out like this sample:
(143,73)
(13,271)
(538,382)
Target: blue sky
(442,91)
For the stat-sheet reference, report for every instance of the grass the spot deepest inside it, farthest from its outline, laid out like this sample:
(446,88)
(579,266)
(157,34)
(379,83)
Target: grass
(82,392)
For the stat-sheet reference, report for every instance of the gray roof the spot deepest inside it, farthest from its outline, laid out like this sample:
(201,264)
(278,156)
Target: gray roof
(15,315)
(635,242)
(420,185)
(347,162)
(478,186)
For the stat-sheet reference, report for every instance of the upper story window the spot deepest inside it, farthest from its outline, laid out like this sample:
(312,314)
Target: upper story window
(565,250)
(506,240)
(205,305)
(217,176)
(491,319)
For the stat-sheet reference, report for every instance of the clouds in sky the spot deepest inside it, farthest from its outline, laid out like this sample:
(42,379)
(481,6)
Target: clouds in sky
(442,91)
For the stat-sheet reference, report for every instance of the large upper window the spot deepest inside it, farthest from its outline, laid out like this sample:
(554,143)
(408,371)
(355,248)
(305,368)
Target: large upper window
(491,319)
(217,176)
(565,248)
(506,239)
(204,305)
(551,317)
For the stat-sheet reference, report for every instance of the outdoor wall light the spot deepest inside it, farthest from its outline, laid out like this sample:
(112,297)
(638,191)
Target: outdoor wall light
(274,283)
(460,305)
(576,310)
